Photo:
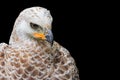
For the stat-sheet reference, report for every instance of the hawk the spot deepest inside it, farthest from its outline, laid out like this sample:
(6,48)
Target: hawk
(32,54)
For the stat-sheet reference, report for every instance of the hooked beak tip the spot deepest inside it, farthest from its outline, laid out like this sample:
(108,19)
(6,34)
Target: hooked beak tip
(49,36)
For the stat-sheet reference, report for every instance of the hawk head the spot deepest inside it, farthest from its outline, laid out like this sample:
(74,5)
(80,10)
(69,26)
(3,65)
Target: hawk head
(34,23)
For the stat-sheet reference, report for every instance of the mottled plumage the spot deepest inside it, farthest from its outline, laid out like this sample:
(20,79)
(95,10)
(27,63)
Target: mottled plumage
(35,57)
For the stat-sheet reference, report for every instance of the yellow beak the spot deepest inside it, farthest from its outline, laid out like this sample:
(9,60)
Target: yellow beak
(39,35)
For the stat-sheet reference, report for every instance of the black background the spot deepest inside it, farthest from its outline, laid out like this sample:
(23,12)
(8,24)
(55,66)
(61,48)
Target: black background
(71,27)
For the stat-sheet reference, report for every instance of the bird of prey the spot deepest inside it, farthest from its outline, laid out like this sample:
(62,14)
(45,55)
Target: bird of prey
(32,54)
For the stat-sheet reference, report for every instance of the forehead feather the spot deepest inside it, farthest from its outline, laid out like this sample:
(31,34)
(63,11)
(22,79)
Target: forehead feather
(37,13)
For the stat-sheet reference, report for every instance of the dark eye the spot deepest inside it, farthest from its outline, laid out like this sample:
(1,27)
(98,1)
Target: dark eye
(35,26)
